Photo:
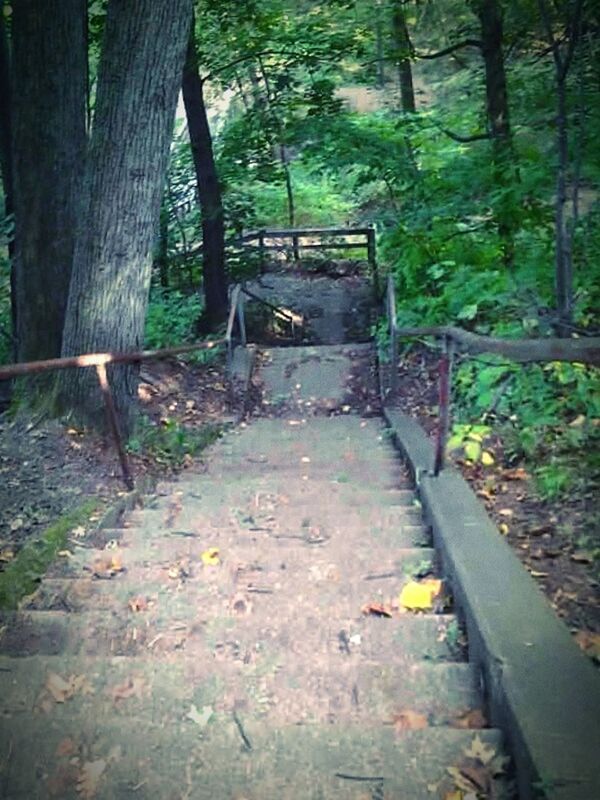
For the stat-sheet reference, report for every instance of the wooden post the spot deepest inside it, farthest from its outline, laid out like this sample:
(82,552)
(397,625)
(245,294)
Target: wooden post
(445,388)
(113,424)
(295,248)
(372,258)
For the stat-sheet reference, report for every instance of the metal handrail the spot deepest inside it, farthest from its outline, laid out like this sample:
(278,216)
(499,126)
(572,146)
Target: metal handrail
(585,351)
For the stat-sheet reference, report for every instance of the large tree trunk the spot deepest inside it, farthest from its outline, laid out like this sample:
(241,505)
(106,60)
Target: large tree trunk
(138,79)
(6,155)
(49,139)
(209,192)
(404,52)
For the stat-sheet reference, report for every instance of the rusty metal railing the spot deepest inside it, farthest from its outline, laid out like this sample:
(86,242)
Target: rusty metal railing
(581,350)
(100,360)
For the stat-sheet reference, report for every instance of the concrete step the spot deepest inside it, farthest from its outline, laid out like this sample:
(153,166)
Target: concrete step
(165,625)
(230,757)
(268,684)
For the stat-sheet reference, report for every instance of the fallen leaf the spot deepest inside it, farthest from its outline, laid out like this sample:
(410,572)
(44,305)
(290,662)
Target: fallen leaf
(210,557)
(16,524)
(66,747)
(503,528)
(419,595)
(240,605)
(59,688)
(376,609)
(506,512)
(132,687)
(410,721)
(7,554)
(582,557)
(201,718)
(473,718)
(89,778)
(517,474)
(139,603)
(577,422)
(487,459)
(454,795)
(480,751)
(589,642)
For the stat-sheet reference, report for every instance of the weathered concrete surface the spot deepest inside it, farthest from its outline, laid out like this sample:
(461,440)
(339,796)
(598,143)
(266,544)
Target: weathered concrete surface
(308,375)
(334,311)
(293,692)
(542,691)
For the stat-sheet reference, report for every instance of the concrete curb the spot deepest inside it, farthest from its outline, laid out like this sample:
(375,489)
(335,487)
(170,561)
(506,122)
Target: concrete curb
(540,690)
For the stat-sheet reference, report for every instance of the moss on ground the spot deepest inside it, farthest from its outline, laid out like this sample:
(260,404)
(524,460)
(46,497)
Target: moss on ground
(22,575)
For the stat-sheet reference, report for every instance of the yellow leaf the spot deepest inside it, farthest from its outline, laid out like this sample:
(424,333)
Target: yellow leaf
(487,459)
(457,795)
(420,595)
(504,529)
(210,557)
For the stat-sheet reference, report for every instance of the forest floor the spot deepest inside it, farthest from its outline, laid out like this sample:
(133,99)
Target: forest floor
(47,470)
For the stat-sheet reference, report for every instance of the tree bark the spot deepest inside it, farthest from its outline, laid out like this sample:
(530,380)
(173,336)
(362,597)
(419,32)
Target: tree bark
(49,61)
(490,17)
(138,78)
(404,52)
(209,192)
(6,159)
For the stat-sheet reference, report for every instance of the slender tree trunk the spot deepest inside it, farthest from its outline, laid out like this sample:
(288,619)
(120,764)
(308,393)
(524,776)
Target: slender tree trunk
(138,79)
(49,140)
(379,46)
(563,255)
(404,52)
(505,174)
(6,160)
(209,192)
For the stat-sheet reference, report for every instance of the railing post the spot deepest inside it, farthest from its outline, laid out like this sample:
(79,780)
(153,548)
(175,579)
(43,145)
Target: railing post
(391,309)
(295,248)
(242,318)
(372,258)
(113,424)
(445,386)
(261,250)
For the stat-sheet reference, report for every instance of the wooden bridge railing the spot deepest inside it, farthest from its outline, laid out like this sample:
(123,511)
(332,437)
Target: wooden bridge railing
(583,350)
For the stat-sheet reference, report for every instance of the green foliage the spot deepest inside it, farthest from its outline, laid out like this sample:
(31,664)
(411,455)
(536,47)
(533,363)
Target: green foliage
(169,443)
(471,439)
(171,318)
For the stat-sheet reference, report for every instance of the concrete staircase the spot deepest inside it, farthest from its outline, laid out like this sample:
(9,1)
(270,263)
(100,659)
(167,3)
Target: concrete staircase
(137,670)
(258,676)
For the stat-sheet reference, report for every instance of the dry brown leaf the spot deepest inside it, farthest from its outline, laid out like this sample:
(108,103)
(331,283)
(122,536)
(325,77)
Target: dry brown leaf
(517,474)
(59,688)
(61,782)
(132,687)
(408,720)
(589,643)
(89,778)
(138,603)
(473,719)
(240,605)
(66,747)
(377,609)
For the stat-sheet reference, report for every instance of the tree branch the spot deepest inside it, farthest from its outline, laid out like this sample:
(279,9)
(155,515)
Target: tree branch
(476,137)
(585,351)
(453,47)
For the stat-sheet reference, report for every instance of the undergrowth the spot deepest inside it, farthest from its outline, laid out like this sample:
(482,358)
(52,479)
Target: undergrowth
(170,443)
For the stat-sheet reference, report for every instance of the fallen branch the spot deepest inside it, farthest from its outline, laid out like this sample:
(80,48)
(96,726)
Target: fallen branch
(585,351)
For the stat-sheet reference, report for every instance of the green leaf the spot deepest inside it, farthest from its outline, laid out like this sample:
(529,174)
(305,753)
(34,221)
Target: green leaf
(472,451)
